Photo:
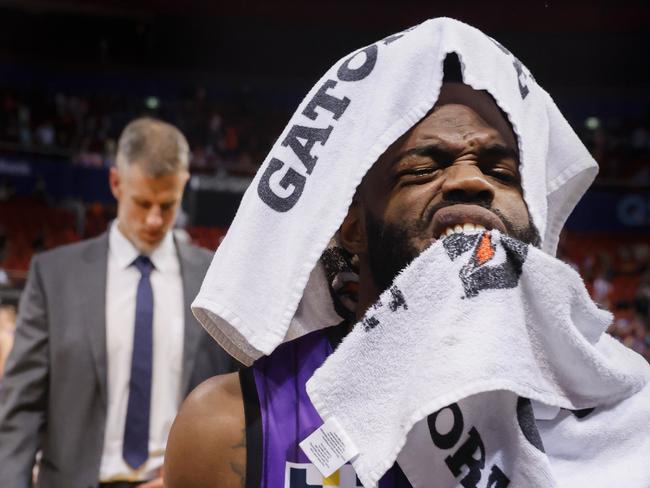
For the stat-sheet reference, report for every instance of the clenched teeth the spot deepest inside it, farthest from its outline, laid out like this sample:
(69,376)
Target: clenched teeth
(466,228)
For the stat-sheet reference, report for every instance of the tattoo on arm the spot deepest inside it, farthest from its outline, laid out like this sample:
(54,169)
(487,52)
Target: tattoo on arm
(242,442)
(239,470)
(237,467)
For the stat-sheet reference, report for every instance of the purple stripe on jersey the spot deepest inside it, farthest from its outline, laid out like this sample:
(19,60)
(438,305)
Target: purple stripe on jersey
(287,414)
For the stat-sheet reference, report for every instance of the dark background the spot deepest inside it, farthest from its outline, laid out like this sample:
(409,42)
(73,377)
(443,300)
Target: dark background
(590,55)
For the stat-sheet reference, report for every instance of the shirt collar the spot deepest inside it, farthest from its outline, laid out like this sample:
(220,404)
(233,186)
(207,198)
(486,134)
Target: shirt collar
(163,257)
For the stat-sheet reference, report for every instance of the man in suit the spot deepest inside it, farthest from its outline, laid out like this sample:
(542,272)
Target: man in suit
(106,346)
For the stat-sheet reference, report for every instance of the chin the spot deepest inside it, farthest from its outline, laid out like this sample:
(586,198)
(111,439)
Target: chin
(147,247)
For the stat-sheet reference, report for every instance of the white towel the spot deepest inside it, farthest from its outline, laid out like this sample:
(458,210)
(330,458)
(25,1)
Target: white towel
(475,322)
(265,284)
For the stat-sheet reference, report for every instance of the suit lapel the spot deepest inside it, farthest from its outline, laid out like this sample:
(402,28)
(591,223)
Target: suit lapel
(92,280)
(92,284)
(191,274)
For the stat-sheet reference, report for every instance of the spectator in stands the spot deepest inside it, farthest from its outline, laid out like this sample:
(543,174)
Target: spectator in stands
(7,327)
(4,276)
(106,346)
(602,288)
(45,134)
(24,125)
(6,191)
(642,300)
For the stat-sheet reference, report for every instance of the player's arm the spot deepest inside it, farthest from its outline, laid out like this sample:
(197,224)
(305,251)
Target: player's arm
(23,394)
(207,443)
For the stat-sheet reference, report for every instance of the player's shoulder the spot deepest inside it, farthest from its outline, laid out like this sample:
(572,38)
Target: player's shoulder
(211,420)
(219,392)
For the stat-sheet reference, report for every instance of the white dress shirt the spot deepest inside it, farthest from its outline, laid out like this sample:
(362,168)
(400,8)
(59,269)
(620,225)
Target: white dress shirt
(168,322)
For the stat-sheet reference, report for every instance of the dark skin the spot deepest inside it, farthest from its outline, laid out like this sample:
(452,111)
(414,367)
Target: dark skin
(207,444)
(463,153)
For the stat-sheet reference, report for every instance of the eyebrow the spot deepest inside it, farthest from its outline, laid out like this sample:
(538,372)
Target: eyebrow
(445,154)
(437,151)
(499,151)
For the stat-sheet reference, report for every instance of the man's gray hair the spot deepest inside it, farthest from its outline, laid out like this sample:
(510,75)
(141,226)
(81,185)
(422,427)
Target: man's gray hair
(157,147)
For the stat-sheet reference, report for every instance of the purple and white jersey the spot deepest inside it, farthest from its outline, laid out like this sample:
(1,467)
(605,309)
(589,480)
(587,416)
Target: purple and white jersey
(279,415)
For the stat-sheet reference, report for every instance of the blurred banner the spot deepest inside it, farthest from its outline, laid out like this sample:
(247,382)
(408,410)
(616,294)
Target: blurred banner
(612,209)
(54,176)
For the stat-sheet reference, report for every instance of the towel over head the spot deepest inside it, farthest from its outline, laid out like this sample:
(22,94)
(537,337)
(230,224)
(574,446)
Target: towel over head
(266,283)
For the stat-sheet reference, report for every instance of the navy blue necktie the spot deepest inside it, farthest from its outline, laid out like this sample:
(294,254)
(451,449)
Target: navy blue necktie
(135,449)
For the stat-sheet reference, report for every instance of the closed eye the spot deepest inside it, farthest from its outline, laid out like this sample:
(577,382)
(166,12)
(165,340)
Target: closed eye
(142,204)
(500,162)
(422,160)
(505,175)
(418,174)
(423,170)
(167,206)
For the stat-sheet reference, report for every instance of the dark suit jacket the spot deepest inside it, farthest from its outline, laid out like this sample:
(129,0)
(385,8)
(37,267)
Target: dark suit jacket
(54,393)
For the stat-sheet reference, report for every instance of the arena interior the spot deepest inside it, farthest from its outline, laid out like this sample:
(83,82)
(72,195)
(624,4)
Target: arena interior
(230,74)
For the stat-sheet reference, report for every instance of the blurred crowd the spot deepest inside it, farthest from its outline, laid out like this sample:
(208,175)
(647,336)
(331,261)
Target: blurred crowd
(616,271)
(233,135)
(224,136)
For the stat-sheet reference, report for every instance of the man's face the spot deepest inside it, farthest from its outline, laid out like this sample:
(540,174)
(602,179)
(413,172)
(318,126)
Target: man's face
(146,206)
(457,166)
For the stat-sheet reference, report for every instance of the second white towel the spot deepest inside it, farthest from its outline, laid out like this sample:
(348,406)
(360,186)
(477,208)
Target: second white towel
(472,314)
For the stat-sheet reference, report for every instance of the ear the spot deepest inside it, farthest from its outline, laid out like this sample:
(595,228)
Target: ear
(184,177)
(114,180)
(352,232)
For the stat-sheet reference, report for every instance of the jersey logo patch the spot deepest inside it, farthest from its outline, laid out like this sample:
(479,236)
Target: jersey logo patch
(305,475)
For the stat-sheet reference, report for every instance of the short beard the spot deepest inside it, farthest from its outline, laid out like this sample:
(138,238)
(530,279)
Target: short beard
(390,249)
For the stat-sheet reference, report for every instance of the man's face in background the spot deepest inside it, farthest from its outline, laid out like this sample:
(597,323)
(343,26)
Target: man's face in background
(146,205)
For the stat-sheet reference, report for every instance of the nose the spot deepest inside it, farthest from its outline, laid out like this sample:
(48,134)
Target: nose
(154,217)
(467,183)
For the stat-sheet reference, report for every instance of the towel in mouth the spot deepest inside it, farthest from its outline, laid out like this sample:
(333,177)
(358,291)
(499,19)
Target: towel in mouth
(466,336)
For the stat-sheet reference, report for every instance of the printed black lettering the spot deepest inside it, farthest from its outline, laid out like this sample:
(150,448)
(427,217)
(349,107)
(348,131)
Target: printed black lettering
(393,38)
(390,39)
(464,456)
(522,74)
(291,179)
(449,439)
(497,479)
(311,135)
(397,299)
(345,73)
(370,323)
(527,423)
(521,78)
(500,46)
(329,102)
